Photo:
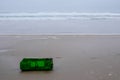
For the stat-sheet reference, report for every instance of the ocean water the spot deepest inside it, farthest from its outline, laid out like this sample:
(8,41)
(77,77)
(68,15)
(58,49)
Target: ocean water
(59,15)
(59,23)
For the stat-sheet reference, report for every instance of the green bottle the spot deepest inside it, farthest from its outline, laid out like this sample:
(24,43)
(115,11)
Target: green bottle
(36,64)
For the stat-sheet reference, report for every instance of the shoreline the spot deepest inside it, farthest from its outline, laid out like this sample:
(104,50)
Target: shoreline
(60,34)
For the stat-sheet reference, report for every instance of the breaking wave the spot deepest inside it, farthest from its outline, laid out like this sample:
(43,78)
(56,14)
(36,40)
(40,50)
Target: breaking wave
(59,16)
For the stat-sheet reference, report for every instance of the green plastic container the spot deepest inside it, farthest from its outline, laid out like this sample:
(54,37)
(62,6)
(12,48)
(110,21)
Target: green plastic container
(36,64)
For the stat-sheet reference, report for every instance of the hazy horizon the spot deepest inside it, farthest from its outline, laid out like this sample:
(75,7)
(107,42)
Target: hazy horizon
(111,6)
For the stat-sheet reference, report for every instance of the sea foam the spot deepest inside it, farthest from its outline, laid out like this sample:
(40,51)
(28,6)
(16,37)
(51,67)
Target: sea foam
(59,16)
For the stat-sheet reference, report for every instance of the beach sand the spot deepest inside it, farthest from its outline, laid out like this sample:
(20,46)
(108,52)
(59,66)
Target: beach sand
(76,57)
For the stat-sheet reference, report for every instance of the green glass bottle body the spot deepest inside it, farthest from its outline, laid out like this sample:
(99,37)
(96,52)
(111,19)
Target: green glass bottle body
(36,64)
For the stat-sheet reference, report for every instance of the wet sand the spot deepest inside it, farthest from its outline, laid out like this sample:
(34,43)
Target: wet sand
(76,57)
